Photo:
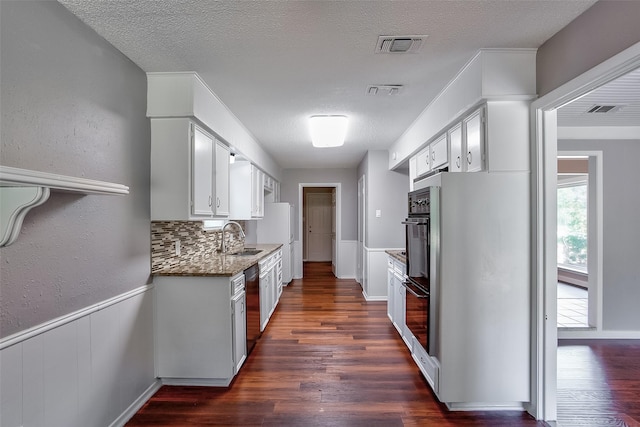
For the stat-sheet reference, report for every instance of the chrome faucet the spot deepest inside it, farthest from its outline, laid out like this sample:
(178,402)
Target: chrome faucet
(223,247)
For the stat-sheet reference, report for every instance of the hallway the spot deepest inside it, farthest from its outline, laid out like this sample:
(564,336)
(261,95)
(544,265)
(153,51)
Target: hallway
(327,358)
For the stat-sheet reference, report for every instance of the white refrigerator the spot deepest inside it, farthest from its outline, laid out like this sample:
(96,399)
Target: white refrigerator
(277,226)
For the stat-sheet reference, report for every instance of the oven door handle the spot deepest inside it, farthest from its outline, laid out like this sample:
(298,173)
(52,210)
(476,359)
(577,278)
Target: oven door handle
(418,222)
(412,291)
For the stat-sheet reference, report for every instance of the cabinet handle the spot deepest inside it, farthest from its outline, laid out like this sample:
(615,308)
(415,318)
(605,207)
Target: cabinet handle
(210,201)
(217,202)
(469,157)
(433,156)
(458,162)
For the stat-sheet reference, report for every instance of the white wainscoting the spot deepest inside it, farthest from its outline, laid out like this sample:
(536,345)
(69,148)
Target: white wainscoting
(375,288)
(347,264)
(94,367)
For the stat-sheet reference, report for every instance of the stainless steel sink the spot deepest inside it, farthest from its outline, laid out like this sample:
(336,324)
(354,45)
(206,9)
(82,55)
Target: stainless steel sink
(248,252)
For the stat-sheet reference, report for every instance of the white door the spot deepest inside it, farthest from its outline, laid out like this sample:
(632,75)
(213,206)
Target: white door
(319,226)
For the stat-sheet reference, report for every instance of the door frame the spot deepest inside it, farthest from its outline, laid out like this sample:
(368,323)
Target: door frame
(305,239)
(594,233)
(301,187)
(544,138)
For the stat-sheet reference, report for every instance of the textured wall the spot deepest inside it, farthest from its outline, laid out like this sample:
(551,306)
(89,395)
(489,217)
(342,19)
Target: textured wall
(71,104)
(621,234)
(291,178)
(604,30)
(386,191)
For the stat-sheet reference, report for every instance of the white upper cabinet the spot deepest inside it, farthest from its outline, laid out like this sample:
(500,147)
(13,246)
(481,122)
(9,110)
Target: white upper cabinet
(185,182)
(423,161)
(473,134)
(455,148)
(222,180)
(247,191)
(439,152)
(202,173)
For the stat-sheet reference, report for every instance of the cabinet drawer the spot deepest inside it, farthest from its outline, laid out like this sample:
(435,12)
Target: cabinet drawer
(428,365)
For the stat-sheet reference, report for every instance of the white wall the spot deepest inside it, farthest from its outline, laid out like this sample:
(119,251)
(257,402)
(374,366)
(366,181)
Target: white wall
(93,367)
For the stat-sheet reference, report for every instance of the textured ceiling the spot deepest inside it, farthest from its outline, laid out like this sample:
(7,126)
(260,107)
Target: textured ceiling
(275,63)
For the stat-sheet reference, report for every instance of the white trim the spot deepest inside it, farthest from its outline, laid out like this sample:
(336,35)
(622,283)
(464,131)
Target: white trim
(595,279)
(544,146)
(599,132)
(23,177)
(63,320)
(137,404)
(566,334)
(338,187)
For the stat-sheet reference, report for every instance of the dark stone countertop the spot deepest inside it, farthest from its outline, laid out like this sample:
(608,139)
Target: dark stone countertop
(217,264)
(398,255)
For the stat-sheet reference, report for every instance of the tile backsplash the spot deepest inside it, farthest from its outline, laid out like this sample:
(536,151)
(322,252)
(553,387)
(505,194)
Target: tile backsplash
(195,243)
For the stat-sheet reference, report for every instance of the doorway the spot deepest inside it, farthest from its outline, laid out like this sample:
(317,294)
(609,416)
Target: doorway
(319,225)
(544,221)
(579,240)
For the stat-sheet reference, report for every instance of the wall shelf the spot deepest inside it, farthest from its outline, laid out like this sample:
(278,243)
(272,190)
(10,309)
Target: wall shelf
(23,189)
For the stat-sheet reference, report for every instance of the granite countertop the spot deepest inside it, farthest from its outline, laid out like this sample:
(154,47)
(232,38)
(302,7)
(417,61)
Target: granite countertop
(399,255)
(217,264)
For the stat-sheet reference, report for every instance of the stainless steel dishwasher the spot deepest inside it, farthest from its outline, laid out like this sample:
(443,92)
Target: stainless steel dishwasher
(252,286)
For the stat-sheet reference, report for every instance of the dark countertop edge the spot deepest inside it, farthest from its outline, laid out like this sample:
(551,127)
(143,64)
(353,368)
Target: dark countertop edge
(397,255)
(240,264)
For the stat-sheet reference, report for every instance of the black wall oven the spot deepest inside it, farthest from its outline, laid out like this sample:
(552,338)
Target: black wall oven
(418,247)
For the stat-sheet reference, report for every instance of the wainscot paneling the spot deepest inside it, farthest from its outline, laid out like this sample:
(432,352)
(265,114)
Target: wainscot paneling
(375,288)
(89,368)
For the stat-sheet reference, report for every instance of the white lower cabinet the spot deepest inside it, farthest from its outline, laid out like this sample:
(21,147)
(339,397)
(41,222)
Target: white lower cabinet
(200,329)
(270,286)
(396,298)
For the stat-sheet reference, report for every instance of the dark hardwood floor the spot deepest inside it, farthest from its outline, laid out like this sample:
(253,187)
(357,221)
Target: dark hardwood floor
(329,358)
(599,383)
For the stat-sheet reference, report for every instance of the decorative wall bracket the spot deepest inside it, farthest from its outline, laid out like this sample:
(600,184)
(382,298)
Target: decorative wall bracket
(22,189)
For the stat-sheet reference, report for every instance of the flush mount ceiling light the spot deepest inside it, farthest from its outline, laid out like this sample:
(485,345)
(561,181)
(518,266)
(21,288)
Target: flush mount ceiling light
(328,131)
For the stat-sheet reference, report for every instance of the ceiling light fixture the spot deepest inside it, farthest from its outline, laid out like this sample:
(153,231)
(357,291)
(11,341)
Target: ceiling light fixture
(328,131)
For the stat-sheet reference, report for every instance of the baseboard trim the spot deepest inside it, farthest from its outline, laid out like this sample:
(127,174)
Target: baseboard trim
(63,320)
(374,298)
(592,334)
(137,404)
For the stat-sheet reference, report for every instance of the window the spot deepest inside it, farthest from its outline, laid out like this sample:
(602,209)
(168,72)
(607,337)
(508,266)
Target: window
(572,222)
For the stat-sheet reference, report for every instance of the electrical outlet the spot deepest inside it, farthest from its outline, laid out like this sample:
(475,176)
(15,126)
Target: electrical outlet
(177,246)
(378,213)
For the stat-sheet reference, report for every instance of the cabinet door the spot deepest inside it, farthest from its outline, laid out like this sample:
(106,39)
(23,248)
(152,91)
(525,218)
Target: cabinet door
(202,173)
(455,146)
(398,305)
(257,192)
(222,180)
(474,142)
(390,293)
(423,162)
(413,172)
(239,330)
(439,152)
(264,301)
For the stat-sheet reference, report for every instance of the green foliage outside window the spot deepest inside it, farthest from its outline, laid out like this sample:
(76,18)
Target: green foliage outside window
(572,226)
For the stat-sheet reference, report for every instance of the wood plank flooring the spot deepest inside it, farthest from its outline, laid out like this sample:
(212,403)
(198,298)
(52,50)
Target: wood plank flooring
(327,358)
(599,383)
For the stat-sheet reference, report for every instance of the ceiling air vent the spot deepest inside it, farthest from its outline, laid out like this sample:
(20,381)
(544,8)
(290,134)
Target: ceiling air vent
(604,109)
(399,44)
(389,90)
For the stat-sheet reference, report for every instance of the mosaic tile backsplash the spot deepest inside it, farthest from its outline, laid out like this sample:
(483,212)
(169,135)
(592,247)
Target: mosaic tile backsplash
(195,243)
